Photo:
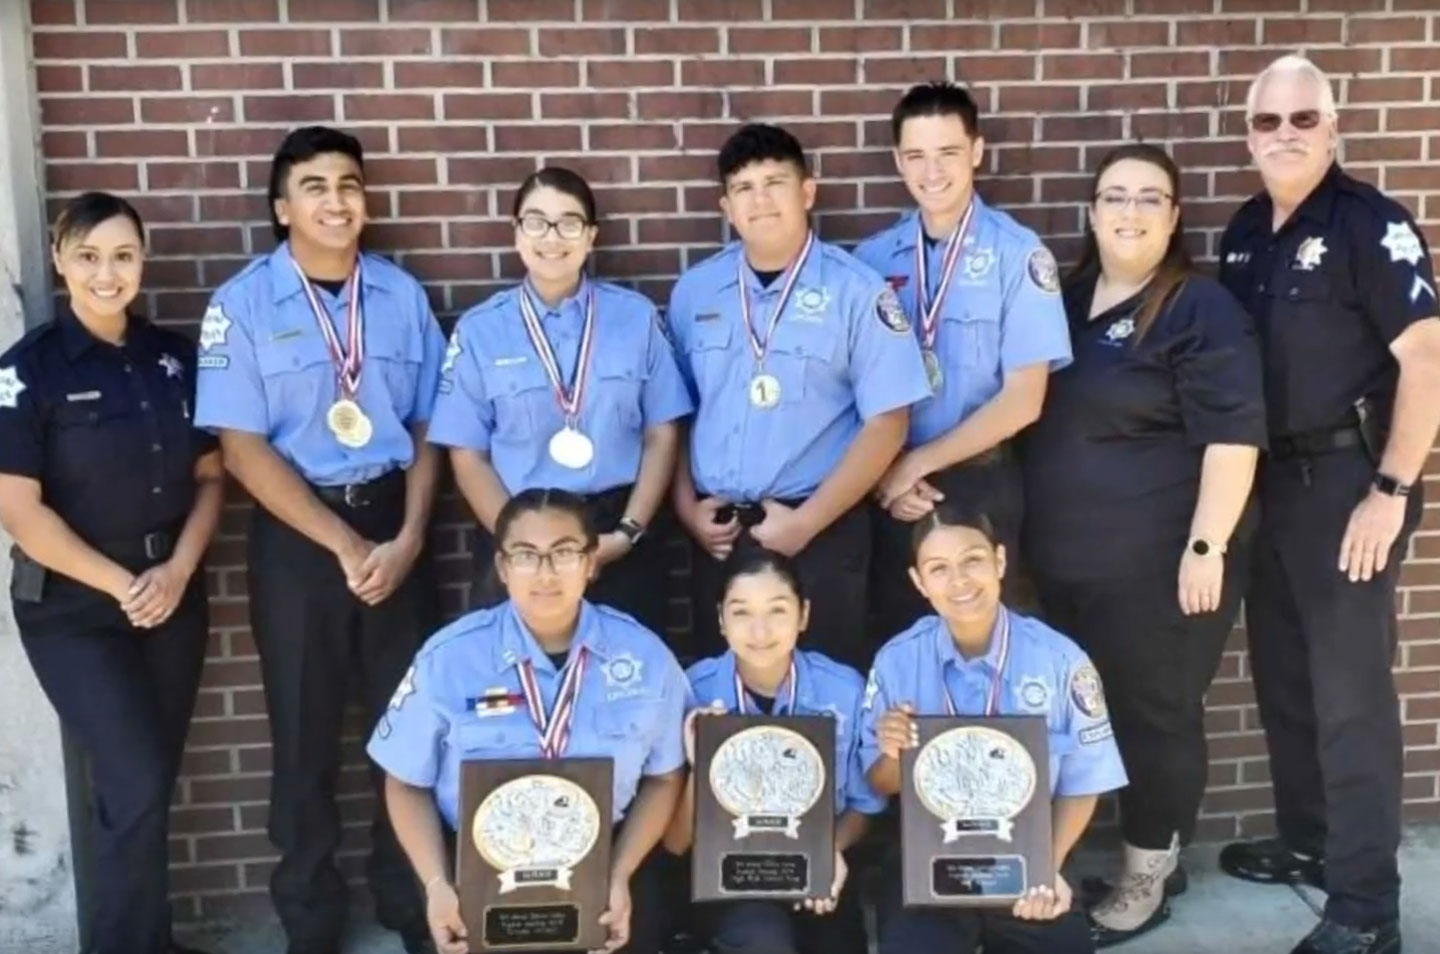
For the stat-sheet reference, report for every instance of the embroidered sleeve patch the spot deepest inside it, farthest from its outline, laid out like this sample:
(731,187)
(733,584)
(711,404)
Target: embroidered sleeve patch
(1044,273)
(214,327)
(891,315)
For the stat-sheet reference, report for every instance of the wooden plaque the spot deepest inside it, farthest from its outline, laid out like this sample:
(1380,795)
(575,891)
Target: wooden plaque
(533,853)
(975,826)
(764,807)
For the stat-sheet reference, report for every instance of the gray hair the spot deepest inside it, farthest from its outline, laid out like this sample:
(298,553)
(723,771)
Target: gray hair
(1293,64)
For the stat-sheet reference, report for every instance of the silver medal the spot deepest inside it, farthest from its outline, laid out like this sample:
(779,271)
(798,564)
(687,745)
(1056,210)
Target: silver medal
(570,448)
(764,391)
(932,370)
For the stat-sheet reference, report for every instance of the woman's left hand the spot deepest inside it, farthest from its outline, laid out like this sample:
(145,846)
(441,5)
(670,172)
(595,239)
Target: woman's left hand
(826,905)
(1202,578)
(155,594)
(617,915)
(1044,903)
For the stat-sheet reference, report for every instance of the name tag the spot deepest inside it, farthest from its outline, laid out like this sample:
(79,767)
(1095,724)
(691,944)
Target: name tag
(287,335)
(83,396)
(507,362)
(708,316)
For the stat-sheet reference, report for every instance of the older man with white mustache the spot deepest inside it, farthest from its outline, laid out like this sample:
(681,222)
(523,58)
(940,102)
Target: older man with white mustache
(1342,289)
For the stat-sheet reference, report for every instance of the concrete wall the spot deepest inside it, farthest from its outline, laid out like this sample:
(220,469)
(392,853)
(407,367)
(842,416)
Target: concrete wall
(37,887)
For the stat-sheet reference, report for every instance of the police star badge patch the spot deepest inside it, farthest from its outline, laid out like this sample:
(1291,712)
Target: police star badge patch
(10,387)
(405,690)
(1044,273)
(1087,692)
(1120,330)
(214,327)
(623,671)
(452,351)
(891,315)
(1309,254)
(1402,243)
(812,301)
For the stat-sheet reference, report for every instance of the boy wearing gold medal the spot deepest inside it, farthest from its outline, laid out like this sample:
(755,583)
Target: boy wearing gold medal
(318,367)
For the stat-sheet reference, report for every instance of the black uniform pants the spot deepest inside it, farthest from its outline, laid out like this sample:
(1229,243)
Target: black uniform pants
(637,584)
(1156,664)
(126,695)
(1321,649)
(991,484)
(955,931)
(834,569)
(309,629)
(774,927)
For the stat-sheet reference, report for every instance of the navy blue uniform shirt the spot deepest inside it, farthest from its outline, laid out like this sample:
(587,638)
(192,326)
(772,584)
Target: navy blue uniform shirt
(1330,291)
(106,430)
(1112,467)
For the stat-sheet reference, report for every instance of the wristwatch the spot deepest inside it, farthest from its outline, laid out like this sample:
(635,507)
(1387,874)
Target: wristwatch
(1390,486)
(632,529)
(1202,547)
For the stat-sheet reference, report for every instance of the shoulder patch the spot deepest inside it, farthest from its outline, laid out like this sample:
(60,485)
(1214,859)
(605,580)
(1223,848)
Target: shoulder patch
(1402,243)
(872,689)
(452,351)
(891,315)
(1044,273)
(405,690)
(623,671)
(1087,692)
(214,327)
(10,387)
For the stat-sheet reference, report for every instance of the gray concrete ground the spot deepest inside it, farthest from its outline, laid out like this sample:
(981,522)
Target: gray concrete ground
(1218,915)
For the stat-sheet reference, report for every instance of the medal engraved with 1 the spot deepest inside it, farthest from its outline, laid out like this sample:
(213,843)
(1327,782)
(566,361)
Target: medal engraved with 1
(569,447)
(765,388)
(930,309)
(345,418)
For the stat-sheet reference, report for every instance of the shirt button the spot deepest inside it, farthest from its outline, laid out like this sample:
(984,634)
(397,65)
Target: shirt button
(155,448)
(128,369)
(1260,287)
(154,490)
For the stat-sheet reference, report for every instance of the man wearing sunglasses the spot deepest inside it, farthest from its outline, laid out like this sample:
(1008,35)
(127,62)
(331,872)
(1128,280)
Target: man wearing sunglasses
(1342,288)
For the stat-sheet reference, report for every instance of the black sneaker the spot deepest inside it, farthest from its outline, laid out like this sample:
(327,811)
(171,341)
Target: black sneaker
(1330,937)
(1270,861)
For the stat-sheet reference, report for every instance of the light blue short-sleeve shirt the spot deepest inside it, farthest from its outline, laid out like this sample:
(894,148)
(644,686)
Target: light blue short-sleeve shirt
(462,699)
(496,397)
(1003,310)
(1046,675)
(264,366)
(823,687)
(842,353)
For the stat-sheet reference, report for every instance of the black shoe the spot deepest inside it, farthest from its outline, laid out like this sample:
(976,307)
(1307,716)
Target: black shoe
(1109,937)
(1270,861)
(177,948)
(1330,937)
(1094,890)
(417,940)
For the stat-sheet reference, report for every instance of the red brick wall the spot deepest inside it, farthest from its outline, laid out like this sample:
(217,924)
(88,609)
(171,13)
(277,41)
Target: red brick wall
(180,102)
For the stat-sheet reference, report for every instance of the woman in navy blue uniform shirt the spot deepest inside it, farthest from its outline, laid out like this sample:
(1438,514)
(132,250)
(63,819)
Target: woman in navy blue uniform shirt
(1138,478)
(112,497)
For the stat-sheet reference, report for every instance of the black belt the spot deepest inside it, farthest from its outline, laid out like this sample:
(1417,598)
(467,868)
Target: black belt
(157,545)
(367,494)
(1315,443)
(749,514)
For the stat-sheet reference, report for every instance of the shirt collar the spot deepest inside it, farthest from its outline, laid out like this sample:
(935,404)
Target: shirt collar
(285,280)
(907,228)
(809,275)
(516,643)
(804,693)
(1316,207)
(947,652)
(571,307)
(76,339)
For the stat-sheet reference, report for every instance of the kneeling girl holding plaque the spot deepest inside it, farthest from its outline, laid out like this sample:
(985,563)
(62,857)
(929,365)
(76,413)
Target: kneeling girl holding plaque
(545,678)
(769,770)
(955,711)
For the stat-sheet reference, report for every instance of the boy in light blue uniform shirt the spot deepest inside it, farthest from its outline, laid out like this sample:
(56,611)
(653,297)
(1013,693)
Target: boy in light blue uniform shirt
(803,368)
(983,295)
(318,366)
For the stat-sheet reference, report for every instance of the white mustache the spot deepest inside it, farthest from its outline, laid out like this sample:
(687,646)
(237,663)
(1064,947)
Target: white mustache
(1299,147)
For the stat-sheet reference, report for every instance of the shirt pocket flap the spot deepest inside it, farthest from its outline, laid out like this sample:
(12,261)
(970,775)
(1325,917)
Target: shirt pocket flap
(517,377)
(632,718)
(713,334)
(292,354)
(816,342)
(393,345)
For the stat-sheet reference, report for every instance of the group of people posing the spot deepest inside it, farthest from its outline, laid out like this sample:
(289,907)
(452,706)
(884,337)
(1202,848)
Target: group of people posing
(868,451)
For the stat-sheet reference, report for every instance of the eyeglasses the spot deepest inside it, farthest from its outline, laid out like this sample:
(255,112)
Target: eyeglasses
(536,226)
(1116,200)
(561,559)
(1269,122)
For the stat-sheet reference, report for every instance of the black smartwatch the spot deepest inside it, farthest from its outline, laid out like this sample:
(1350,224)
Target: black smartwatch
(1390,487)
(632,529)
(1202,547)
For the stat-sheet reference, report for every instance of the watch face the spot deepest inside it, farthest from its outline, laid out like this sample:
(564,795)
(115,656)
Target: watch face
(1200,547)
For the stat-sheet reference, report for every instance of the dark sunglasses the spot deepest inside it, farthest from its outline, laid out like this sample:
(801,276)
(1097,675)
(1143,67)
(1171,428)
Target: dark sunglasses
(1269,122)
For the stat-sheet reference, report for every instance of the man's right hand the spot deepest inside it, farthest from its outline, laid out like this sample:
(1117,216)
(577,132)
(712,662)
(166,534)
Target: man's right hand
(352,555)
(718,539)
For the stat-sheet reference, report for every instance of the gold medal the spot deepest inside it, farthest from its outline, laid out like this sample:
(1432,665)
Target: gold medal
(349,424)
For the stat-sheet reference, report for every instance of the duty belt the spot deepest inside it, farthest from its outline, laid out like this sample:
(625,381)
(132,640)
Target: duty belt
(1315,443)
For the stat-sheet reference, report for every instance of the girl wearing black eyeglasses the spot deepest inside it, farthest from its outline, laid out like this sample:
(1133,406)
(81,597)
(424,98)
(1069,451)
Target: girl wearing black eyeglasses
(1137,482)
(565,381)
